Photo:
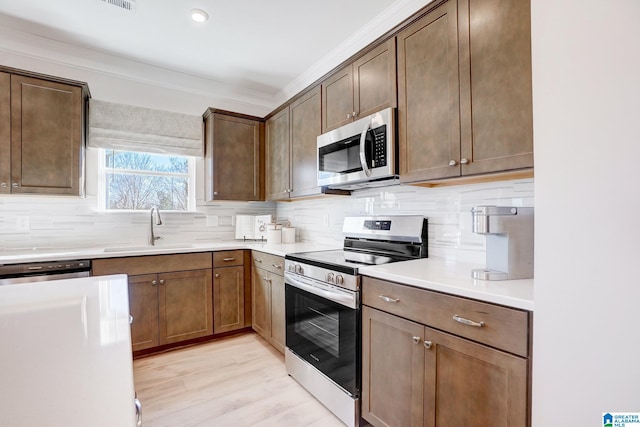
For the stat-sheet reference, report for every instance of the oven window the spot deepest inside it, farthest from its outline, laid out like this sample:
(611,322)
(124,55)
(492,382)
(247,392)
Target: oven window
(318,323)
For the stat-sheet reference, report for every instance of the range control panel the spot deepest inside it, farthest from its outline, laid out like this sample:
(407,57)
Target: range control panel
(377,225)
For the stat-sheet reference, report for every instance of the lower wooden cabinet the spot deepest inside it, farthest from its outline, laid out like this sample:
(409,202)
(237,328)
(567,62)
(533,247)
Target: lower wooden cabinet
(170,307)
(229,291)
(415,375)
(267,298)
(170,296)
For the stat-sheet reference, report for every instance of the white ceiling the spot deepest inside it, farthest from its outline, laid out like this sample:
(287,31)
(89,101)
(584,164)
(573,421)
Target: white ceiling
(259,52)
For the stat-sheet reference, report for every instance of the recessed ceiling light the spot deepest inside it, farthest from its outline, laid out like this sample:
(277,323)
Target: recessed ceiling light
(199,15)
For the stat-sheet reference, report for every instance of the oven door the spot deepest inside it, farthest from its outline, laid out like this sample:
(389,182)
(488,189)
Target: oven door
(323,324)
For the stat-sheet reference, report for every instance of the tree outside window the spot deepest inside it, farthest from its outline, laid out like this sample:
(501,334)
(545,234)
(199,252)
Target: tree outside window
(138,181)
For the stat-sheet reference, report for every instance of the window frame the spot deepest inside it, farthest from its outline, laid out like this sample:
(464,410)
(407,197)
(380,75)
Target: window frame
(103,170)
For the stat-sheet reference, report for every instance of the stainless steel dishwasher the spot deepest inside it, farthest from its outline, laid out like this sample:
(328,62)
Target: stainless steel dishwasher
(43,271)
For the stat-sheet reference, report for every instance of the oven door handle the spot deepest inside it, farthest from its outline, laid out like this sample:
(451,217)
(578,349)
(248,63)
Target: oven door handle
(346,298)
(363,156)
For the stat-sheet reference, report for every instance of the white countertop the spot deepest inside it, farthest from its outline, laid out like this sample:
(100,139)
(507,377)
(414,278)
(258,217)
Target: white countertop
(36,255)
(455,278)
(431,273)
(66,353)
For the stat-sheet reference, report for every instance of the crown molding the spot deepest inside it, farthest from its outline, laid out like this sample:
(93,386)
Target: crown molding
(388,19)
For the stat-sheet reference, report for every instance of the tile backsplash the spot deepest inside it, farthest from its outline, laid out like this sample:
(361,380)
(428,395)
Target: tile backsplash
(448,210)
(40,222)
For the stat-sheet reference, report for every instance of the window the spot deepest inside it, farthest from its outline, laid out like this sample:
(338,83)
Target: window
(133,180)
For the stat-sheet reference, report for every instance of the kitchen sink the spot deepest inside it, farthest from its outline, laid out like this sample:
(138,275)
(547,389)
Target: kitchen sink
(147,248)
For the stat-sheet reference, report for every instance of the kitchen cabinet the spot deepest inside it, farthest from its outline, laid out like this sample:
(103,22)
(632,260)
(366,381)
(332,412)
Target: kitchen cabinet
(229,291)
(278,159)
(234,156)
(363,87)
(268,304)
(170,296)
(42,136)
(291,139)
(464,91)
(418,369)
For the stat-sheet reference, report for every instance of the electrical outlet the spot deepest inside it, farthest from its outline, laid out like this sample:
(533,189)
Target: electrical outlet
(23,223)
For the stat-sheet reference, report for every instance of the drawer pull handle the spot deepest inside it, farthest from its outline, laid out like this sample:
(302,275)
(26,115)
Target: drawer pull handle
(257,260)
(228,259)
(387,299)
(467,321)
(276,266)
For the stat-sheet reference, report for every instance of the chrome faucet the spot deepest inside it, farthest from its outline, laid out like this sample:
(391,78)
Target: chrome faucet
(158,221)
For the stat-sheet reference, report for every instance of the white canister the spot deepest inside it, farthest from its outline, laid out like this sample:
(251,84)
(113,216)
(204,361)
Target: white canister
(274,234)
(288,235)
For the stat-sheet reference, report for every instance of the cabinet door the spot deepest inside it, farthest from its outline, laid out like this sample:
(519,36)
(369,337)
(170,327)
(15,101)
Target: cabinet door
(5,133)
(278,328)
(261,302)
(233,154)
(278,156)
(228,299)
(143,306)
(46,136)
(428,92)
(374,80)
(306,125)
(337,99)
(392,370)
(495,85)
(468,384)
(185,304)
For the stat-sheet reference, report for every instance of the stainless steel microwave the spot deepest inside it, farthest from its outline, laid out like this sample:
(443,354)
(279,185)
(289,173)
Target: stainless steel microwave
(359,154)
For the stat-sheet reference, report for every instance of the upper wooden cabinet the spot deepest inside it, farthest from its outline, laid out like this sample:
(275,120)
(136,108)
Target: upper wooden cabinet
(278,156)
(234,156)
(42,128)
(291,135)
(363,87)
(464,91)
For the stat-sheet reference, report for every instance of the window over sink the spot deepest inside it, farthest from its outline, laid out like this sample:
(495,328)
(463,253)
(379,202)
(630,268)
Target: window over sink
(133,180)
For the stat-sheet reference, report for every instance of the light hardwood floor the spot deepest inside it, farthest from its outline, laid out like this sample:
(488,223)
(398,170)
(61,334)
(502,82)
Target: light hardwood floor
(237,381)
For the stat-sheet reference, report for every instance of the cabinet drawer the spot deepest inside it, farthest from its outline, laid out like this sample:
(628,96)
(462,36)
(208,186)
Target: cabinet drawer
(502,327)
(151,264)
(272,263)
(228,258)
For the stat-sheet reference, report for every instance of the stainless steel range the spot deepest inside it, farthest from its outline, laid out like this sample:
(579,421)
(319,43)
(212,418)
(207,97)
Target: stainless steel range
(322,294)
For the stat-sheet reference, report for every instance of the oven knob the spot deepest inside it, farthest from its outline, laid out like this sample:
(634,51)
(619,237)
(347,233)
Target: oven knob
(299,269)
(339,279)
(330,278)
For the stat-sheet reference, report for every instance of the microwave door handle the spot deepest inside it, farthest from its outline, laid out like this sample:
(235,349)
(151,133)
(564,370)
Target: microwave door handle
(363,157)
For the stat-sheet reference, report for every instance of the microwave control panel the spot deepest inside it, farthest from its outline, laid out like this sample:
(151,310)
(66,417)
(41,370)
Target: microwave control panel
(379,158)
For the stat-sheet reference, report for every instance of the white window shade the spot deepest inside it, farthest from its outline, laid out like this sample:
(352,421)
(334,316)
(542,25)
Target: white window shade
(129,128)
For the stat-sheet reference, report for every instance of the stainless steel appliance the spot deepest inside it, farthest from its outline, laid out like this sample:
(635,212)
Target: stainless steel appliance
(509,233)
(360,154)
(43,271)
(322,298)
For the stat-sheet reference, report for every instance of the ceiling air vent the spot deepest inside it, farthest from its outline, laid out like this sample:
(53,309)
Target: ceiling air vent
(129,5)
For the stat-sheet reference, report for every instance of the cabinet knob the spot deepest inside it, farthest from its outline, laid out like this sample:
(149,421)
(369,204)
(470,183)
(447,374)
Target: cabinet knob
(428,344)
(416,340)
(215,193)
(3,185)
(217,275)
(464,161)
(162,282)
(348,116)
(452,163)
(154,282)
(354,114)
(15,185)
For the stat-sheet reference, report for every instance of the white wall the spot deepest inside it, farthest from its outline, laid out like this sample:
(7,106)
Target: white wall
(586,84)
